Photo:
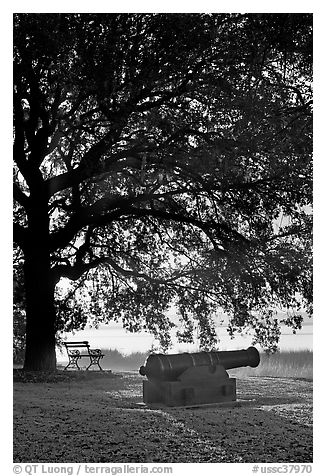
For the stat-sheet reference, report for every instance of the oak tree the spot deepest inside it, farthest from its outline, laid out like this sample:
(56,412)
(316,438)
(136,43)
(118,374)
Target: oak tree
(158,159)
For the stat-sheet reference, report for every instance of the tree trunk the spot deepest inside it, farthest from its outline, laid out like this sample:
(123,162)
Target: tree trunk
(39,293)
(40,316)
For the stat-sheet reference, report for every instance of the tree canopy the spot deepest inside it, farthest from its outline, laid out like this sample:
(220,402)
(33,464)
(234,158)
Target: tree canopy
(164,158)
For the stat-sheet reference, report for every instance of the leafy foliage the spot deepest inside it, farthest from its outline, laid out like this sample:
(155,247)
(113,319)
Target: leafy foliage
(19,317)
(173,154)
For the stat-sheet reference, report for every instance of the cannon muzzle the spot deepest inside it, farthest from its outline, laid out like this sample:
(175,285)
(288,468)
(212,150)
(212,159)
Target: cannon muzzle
(163,367)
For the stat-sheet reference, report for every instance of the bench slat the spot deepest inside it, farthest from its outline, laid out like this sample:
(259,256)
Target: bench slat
(79,344)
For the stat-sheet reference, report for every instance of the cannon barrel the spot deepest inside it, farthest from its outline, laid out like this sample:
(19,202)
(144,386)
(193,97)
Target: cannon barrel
(169,367)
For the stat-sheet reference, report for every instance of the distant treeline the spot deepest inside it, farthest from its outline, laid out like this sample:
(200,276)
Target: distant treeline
(115,360)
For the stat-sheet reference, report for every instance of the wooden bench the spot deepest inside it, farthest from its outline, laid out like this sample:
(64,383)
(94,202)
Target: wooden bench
(74,350)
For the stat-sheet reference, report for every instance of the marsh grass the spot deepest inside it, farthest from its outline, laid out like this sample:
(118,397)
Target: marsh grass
(292,363)
(115,360)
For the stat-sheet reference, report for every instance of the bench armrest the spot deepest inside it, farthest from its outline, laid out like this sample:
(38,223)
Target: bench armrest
(73,352)
(95,352)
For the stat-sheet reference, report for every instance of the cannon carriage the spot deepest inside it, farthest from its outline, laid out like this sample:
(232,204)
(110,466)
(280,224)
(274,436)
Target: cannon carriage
(193,378)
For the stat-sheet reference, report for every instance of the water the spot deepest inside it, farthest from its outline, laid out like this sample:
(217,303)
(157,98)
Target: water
(113,336)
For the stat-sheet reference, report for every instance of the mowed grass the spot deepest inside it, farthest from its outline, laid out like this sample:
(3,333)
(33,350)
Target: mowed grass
(97,417)
(292,363)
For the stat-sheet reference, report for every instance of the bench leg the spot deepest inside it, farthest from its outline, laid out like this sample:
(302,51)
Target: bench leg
(95,361)
(72,361)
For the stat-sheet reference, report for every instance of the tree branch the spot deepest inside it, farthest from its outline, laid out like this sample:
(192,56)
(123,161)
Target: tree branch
(19,141)
(101,213)
(90,167)
(20,196)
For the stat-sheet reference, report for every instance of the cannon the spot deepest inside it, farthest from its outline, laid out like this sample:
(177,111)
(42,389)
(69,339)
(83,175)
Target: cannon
(193,378)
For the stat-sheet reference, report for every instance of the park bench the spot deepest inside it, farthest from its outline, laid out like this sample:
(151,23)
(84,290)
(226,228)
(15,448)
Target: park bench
(74,351)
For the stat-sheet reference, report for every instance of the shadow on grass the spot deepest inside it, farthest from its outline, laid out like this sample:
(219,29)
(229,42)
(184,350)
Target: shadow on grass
(24,376)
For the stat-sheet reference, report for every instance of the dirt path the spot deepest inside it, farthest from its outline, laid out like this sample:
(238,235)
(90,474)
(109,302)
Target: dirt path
(99,420)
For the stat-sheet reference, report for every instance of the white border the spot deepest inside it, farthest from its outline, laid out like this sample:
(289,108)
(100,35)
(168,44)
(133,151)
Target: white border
(316,7)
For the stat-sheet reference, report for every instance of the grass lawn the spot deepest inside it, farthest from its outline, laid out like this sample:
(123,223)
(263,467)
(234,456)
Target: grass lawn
(96,418)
